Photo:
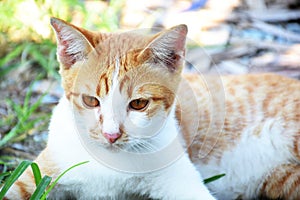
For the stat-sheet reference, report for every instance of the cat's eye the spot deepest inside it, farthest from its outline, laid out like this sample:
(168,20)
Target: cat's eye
(138,104)
(90,101)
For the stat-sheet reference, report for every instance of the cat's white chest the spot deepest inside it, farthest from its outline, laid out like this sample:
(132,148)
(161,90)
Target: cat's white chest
(179,179)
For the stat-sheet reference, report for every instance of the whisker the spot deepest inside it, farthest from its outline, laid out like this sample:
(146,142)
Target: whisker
(139,145)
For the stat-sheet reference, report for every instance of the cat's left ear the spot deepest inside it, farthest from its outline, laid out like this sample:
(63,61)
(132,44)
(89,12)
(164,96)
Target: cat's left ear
(168,47)
(73,43)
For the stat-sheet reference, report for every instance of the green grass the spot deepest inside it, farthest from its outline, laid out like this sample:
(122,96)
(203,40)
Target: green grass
(213,178)
(22,119)
(31,48)
(44,55)
(44,185)
(33,54)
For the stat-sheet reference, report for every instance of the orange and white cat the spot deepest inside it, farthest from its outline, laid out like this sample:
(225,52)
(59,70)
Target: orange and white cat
(129,111)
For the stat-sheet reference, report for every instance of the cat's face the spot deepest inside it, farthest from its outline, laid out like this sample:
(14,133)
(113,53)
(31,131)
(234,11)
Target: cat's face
(122,87)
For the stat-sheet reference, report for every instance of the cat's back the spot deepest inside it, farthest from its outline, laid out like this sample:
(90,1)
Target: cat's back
(262,96)
(230,104)
(259,84)
(265,87)
(248,124)
(268,95)
(228,107)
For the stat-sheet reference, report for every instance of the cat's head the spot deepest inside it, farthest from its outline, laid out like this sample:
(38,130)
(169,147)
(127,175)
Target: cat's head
(122,86)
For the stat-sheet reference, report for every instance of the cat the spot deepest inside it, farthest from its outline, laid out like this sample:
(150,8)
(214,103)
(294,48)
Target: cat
(130,111)
(113,99)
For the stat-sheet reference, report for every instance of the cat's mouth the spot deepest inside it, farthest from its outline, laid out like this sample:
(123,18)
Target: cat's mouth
(113,147)
(130,145)
(127,147)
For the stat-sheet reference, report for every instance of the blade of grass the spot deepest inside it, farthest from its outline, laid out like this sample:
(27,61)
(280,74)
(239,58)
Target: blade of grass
(27,108)
(53,64)
(4,70)
(12,55)
(213,178)
(14,176)
(40,189)
(23,113)
(8,62)
(59,177)
(9,136)
(39,56)
(6,160)
(34,106)
(17,108)
(26,103)
(3,175)
(36,173)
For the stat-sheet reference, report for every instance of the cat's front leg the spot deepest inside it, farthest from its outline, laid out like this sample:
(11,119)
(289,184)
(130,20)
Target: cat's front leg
(180,181)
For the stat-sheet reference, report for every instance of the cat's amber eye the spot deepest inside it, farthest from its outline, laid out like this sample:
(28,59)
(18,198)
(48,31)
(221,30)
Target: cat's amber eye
(90,101)
(138,104)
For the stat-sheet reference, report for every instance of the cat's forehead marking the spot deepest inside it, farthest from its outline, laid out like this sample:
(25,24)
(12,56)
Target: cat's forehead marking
(103,85)
(116,72)
(123,82)
(108,80)
(114,77)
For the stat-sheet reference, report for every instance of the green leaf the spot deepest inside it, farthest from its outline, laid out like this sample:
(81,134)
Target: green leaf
(213,178)
(14,176)
(59,177)
(40,189)
(36,173)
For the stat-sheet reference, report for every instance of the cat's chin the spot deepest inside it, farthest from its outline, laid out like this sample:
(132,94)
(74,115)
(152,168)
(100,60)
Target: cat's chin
(120,147)
(114,148)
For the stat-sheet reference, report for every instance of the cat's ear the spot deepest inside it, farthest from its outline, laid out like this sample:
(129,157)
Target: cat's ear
(72,42)
(168,47)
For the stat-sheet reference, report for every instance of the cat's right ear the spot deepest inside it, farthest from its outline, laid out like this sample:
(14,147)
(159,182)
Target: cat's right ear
(167,48)
(72,42)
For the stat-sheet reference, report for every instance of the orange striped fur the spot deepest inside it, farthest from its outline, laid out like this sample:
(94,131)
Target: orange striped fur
(253,136)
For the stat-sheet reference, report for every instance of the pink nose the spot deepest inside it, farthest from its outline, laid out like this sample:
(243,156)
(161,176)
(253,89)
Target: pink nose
(112,137)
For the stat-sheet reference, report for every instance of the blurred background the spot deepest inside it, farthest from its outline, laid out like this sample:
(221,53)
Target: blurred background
(230,37)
